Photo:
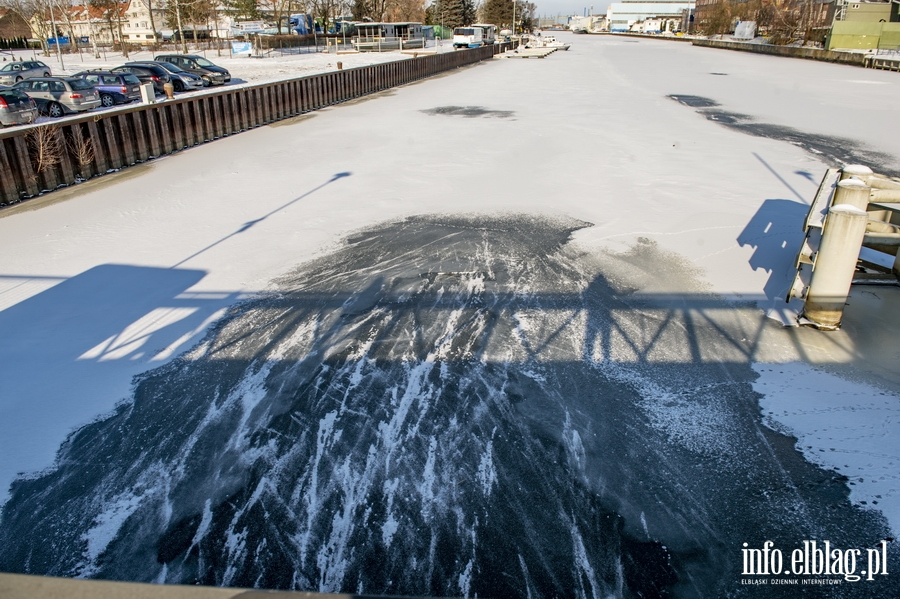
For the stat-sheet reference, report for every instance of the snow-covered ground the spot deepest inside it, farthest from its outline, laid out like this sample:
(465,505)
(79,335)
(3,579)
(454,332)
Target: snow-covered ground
(118,275)
(273,66)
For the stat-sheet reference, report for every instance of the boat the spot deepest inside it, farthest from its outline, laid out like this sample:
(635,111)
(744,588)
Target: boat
(547,41)
(550,41)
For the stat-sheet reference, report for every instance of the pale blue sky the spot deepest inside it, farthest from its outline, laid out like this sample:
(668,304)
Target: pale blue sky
(569,7)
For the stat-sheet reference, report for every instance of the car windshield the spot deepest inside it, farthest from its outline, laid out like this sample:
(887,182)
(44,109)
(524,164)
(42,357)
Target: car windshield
(171,67)
(11,67)
(129,78)
(79,84)
(13,95)
(203,62)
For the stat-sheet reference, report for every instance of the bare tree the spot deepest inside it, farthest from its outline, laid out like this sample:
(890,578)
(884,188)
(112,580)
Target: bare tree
(112,12)
(277,10)
(718,18)
(64,9)
(406,10)
(45,148)
(149,4)
(35,12)
(324,11)
(376,10)
(192,12)
(81,148)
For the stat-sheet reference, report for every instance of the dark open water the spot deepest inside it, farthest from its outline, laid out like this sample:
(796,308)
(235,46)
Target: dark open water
(445,406)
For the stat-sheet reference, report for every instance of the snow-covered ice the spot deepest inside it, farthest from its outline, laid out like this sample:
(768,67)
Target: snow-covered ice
(846,426)
(113,277)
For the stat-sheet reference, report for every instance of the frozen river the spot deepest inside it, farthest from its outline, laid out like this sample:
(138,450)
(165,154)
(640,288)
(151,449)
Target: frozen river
(501,333)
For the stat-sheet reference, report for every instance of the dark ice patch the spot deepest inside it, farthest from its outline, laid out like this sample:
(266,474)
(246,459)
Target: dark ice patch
(177,540)
(469,112)
(726,118)
(693,101)
(436,409)
(832,150)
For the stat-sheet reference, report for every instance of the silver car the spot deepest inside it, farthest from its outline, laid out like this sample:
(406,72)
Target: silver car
(182,81)
(17,71)
(56,96)
(16,108)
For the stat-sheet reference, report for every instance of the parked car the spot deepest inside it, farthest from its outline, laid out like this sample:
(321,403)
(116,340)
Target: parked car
(56,96)
(181,79)
(211,74)
(114,88)
(17,71)
(147,73)
(16,108)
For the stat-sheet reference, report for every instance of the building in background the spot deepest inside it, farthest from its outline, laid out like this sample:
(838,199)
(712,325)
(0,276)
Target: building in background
(558,22)
(139,27)
(667,15)
(14,30)
(870,26)
(590,23)
(782,22)
(870,12)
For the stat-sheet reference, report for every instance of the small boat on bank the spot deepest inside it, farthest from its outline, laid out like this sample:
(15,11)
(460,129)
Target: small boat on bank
(550,41)
(547,41)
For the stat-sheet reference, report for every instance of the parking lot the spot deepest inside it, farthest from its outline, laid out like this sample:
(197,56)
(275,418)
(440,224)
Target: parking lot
(273,66)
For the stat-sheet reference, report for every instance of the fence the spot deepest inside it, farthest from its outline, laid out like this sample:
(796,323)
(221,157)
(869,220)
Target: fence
(318,42)
(884,60)
(787,51)
(48,156)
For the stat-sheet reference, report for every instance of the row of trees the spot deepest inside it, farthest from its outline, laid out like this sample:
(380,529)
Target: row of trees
(457,13)
(322,11)
(51,18)
(783,21)
(182,14)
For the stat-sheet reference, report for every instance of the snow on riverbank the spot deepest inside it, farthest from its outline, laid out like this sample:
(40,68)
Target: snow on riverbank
(272,67)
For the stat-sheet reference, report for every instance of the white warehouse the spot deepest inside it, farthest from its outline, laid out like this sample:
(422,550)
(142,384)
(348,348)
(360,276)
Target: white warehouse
(622,15)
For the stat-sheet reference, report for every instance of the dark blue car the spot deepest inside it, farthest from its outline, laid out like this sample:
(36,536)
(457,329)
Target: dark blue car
(114,88)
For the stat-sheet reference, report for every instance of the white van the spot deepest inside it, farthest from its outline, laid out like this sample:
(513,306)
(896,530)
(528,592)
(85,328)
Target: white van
(468,37)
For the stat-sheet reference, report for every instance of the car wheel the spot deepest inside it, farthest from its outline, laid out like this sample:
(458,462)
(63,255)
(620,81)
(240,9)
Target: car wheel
(54,110)
(178,85)
(107,100)
(18,79)
(46,74)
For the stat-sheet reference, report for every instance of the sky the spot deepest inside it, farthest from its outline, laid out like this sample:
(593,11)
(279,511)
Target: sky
(564,7)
